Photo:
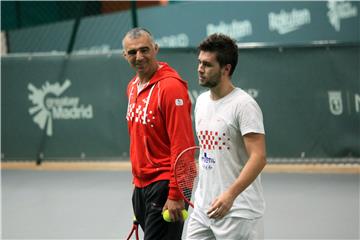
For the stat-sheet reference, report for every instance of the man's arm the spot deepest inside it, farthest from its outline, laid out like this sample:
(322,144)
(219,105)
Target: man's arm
(176,107)
(255,147)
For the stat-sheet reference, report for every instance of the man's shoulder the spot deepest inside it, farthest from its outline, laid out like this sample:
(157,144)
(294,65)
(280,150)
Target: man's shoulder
(172,83)
(242,96)
(244,101)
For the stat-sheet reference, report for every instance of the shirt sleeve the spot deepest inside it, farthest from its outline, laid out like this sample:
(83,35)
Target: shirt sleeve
(250,118)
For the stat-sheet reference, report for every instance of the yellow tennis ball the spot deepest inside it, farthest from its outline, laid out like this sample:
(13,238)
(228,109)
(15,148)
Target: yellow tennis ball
(185,214)
(166,215)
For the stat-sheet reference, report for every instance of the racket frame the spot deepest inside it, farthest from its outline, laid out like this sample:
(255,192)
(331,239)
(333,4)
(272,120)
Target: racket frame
(175,175)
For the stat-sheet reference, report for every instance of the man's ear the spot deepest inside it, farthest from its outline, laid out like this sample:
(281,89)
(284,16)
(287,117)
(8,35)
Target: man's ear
(227,69)
(124,53)
(156,48)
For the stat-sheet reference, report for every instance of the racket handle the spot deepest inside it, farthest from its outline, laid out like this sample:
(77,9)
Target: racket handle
(135,228)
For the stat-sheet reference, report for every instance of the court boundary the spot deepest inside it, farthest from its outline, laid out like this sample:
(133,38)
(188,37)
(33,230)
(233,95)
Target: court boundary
(126,166)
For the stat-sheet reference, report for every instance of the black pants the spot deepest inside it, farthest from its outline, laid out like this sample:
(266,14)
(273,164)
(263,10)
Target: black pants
(148,203)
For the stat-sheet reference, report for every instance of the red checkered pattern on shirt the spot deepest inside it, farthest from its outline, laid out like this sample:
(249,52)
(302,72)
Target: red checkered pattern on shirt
(213,140)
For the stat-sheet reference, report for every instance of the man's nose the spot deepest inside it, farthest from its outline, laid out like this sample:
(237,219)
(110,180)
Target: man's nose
(139,55)
(200,68)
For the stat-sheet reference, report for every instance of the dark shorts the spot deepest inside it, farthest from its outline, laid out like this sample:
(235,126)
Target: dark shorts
(147,204)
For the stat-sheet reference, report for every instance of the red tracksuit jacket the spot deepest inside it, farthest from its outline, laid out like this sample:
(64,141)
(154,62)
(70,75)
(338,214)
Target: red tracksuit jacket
(160,127)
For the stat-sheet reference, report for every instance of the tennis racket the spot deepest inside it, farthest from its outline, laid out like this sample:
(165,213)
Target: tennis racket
(186,173)
(134,229)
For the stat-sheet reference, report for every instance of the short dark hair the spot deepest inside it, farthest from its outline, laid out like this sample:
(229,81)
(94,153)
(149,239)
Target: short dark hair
(225,48)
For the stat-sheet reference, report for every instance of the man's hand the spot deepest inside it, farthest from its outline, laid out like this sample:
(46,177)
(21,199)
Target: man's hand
(175,208)
(221,206)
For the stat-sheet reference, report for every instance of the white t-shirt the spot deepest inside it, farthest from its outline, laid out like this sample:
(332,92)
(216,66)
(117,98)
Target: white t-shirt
(220,126)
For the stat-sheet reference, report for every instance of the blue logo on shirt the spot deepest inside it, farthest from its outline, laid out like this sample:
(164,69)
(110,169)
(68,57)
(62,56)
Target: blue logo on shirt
(207,162)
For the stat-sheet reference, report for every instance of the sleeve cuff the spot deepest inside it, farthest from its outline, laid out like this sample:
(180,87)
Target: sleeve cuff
(174,194)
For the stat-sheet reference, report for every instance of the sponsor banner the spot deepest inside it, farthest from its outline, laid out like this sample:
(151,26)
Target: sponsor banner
(184,25)
(287,22)
(310,98)
(64,108)
(49,104)
(265,22)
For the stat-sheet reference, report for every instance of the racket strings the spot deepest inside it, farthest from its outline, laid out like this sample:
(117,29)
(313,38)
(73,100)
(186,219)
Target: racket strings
(186,172)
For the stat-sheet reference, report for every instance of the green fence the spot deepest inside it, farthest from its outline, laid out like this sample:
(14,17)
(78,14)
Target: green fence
(58,107)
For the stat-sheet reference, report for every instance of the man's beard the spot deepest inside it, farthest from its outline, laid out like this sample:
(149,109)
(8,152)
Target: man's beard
(212,82)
